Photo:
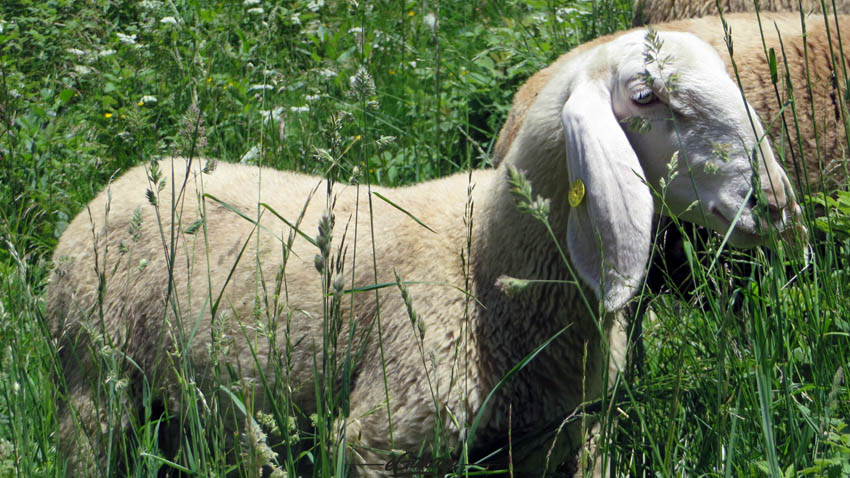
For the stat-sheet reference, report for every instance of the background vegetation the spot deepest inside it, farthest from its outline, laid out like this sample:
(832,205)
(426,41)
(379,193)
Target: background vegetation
(746,379)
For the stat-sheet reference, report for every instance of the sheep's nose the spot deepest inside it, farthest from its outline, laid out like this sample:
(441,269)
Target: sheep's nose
(776,202)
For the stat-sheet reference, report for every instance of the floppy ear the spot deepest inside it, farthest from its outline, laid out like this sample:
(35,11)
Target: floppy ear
(609,230)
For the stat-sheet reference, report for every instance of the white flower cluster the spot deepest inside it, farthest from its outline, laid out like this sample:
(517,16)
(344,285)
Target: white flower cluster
(126,39)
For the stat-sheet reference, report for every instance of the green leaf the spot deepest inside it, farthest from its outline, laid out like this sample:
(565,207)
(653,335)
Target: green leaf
(383,198)
(772,61)
(66,95)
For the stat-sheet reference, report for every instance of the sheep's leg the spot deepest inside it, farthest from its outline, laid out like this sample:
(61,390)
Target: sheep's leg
(95,415)
(375,452)
(366,460)
(86,431)
(75,440)
(591,458)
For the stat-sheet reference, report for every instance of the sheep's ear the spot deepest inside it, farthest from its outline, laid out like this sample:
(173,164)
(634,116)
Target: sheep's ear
(610,224)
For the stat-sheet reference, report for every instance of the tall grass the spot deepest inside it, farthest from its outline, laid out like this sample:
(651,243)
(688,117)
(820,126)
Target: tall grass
(745,378)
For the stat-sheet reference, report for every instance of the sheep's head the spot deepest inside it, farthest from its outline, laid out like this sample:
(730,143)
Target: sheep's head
(653,123)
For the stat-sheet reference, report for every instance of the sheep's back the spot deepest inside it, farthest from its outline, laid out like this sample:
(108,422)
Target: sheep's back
(230,261)
(659,11)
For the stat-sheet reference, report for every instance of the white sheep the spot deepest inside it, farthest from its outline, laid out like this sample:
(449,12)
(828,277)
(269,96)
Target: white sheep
(468,345)
(648,12)
(818,161)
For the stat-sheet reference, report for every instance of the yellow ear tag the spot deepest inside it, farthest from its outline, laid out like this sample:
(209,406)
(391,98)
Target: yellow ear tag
(576,193)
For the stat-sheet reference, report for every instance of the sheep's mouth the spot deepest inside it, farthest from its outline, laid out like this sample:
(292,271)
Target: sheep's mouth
(742,234)
(746,233)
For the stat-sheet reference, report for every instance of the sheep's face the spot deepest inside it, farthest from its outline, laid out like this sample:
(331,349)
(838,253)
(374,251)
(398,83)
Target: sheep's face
(697,141)
(654,124)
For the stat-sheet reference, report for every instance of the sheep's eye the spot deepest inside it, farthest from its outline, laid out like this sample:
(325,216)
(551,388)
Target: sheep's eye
(644,97)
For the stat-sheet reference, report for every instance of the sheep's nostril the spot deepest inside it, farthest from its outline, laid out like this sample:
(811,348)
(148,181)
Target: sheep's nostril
(775,205)
(775,213)
(753,202)
(771,205)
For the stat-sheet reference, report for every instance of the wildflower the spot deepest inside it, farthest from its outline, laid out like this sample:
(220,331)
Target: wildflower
(147,100)
(150,4)
(76,51)
(127,39)
(358,36)
(251,3)
(299,109)
(273,114)
(168,20)
(327,73)
(260,87)
(315,5)
(563,14)
(105,53)
(430,21)
(257,10)
(250,155)
(312,98)
(411,13)
(107,115)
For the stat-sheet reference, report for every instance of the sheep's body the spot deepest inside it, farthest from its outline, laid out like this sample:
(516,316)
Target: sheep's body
(827,125)
(649,12)
(495,336)
(473,343)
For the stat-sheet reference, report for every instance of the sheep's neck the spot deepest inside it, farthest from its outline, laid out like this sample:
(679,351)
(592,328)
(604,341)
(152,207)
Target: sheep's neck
(517,245)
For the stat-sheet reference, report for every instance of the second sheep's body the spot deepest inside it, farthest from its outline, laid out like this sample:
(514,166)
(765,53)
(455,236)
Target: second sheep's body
(472,321)
(658,11)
